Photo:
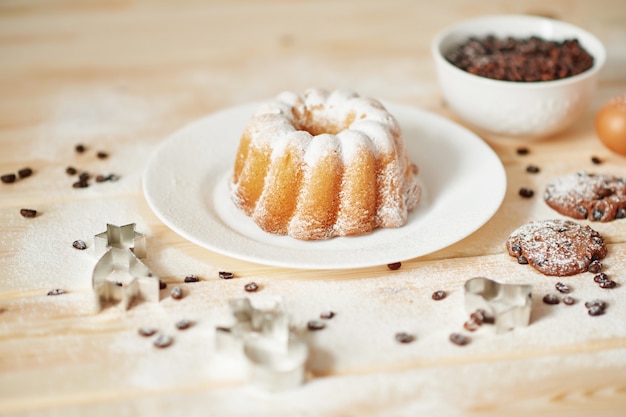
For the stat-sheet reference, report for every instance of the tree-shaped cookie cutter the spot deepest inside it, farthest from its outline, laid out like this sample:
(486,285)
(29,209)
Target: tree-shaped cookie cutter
(276,356)
(119,274)
(506,305)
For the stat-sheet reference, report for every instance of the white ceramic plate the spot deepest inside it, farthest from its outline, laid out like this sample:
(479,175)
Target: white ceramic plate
(185,183)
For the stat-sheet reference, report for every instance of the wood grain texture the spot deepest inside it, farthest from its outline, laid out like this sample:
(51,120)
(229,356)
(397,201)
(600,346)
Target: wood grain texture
(120,76)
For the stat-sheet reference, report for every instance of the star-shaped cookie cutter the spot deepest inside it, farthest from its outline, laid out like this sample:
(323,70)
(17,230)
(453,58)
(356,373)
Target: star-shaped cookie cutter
(121,237)
(119,275)
(506,305)
(276,356)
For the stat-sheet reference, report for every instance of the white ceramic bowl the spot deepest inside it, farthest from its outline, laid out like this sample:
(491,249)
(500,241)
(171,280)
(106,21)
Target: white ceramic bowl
(530,109)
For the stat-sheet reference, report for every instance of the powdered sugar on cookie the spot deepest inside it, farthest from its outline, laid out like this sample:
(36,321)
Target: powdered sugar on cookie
(556,247)
(595,197)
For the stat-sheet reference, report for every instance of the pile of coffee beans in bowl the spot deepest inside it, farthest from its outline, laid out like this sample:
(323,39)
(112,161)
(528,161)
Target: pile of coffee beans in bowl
(520,59)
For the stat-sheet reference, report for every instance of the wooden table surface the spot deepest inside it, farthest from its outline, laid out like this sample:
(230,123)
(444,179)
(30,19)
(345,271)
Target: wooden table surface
(120,76)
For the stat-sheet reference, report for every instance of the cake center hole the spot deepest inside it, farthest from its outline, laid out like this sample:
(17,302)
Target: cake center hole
(317,123)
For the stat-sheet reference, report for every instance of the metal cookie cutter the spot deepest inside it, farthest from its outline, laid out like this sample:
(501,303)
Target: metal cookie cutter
(276,357)
(119,275)
(507,305)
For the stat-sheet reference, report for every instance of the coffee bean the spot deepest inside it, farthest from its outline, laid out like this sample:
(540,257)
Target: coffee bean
(102,155)
(79,244)
(71,171)
(404,337)
(523,151)
(568,300)
(472,325)
(192,278)
(459,339)
(596,160)
(56,291)
(327,315)
(177,293)
(146,331)
(595,311)
(226,275)
(251,287)
(608,284)
(532,169)
(80,148)
(28,213)
(595,267)
(476,319)
(8,178)
(315,325)
(80,184)
(183,324)
(84,176)
(562,288)
(394,266)
(105,178)
(595,303)
(479,316)
(601,277)
(551,299)
(439,295)
(25,172)
(163,341)
(526,192)
(485,318)
(223,329)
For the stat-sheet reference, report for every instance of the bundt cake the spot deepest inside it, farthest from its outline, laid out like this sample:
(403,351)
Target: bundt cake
(318,165)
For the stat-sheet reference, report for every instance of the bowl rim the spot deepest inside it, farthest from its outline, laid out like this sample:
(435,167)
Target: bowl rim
(598,53)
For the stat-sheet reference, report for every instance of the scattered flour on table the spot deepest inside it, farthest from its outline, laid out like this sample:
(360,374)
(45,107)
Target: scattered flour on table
(357,348)
(91,115)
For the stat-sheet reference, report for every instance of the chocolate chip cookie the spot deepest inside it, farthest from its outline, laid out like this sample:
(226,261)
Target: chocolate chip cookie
(595,197)
(556,247)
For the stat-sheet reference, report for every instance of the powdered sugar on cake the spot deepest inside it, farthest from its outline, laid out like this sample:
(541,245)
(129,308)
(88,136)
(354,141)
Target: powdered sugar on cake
(336,130)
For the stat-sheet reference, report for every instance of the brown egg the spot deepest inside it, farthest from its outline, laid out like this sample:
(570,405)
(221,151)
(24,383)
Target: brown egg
(611,124)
